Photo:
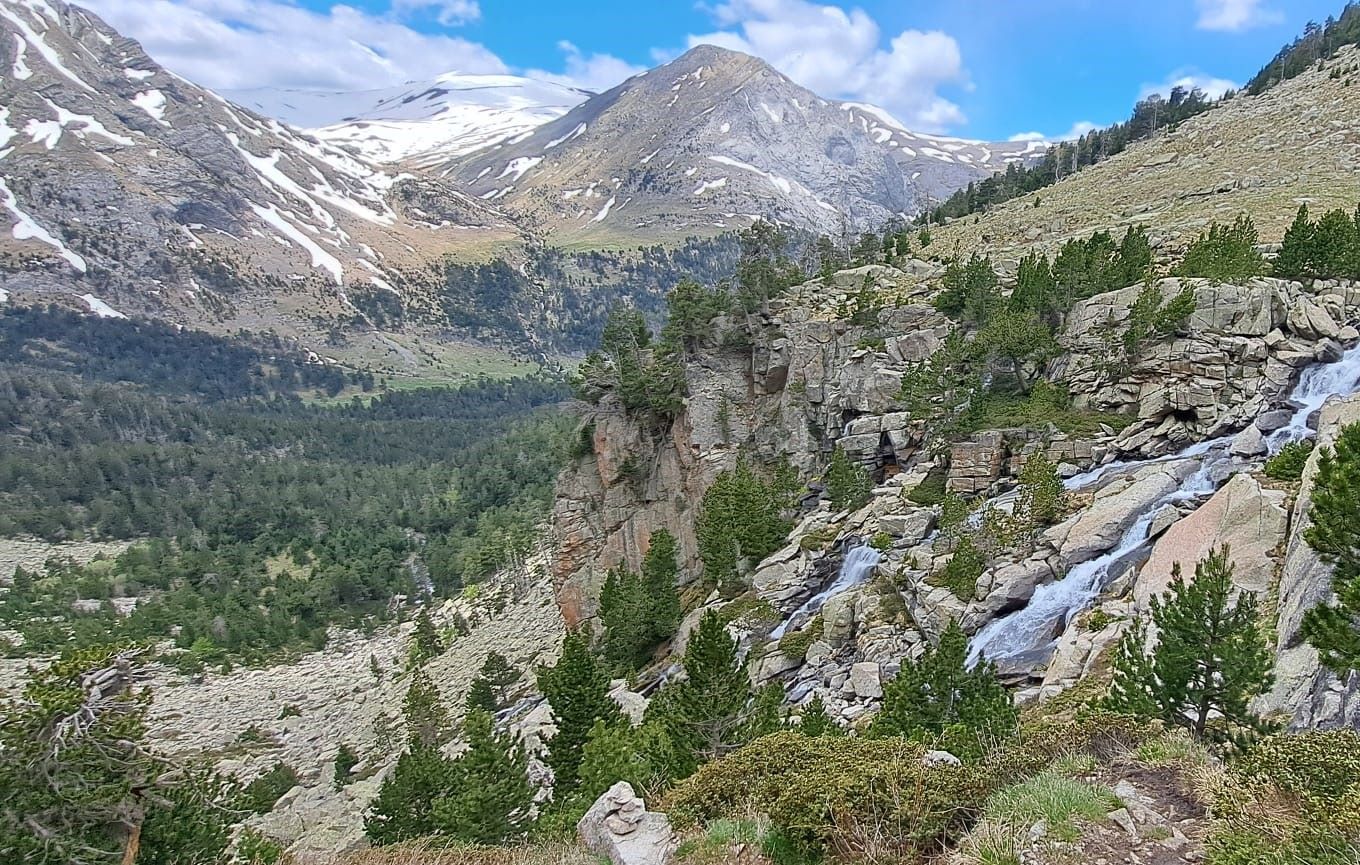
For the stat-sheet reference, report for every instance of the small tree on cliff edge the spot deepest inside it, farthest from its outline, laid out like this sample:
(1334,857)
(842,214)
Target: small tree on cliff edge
(1210,656)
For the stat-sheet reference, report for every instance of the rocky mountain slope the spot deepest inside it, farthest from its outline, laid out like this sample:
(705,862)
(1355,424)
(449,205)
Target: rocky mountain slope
(129,190)
(713,140)
(425,122)
(1257,364)
(1265,155)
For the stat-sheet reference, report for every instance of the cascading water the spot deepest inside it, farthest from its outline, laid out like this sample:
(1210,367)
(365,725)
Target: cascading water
(1027,636)
(1316,385)
(858,565)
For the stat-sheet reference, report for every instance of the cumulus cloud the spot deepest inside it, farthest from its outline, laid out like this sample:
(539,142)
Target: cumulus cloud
(1212,86)
(1234,15)
(241,44)
(596,72)
(1080,128)
(840,53)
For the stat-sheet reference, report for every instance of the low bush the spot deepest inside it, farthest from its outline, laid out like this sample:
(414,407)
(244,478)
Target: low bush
(1288,464)
(1288,799)
(842,795)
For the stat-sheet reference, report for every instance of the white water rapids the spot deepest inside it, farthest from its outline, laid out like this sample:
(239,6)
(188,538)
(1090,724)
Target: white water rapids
(1027,636)
(858,565)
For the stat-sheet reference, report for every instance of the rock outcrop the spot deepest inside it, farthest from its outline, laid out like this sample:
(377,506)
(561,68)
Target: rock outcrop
(619,826)
(1305,693)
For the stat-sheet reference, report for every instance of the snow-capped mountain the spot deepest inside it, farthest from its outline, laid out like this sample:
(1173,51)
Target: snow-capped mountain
(422,121)
(713,140)
(124,183)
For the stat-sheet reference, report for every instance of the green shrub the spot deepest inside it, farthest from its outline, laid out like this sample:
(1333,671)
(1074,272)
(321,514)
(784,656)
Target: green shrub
(1289,799)
(960,576)
(847,483)
(795,645)
(264,791)
(930,491)
(1288,464)
(1320,766)
(829,793)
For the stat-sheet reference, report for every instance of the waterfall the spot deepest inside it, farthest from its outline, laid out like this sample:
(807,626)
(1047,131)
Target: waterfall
(1316,384)
(1029,635)
(858,565)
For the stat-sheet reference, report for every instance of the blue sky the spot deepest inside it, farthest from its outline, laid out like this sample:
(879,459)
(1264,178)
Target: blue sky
(979,68)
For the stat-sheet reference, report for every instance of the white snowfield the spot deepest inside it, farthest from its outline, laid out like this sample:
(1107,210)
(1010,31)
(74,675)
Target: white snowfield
(422,121)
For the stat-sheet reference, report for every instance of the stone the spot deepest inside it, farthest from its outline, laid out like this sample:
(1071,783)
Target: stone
(1121,818)
(1249,443)
(1303,691)
(1311,321)
(838,619)
(1270,421)
(1115,507)
(619,826)
(1165,517)
(866,679)
(911,527)
(934,759)
(1243,516)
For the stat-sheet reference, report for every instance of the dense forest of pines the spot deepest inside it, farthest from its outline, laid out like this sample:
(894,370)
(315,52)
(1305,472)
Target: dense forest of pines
(264,518)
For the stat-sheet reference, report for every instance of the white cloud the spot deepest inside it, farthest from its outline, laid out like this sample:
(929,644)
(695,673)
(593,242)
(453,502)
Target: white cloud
(1080,128)
(240,44)
(1234,15)
(1189,79)
(447,12)
(839,53)
(597,72)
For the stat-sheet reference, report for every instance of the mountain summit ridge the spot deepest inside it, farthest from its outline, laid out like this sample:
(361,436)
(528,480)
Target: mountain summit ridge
(712,136)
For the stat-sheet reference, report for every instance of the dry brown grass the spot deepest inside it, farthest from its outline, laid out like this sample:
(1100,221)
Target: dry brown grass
(433,853)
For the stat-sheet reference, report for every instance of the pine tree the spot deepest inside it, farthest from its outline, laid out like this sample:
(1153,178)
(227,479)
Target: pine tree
(500,674)
(345,760)
(1334,629)
(481,696)
(425,642)
(404,807)
(1334,240)
(627,625)
(1042,496)
(740,522)
(706,715)
(938,694)
(815,721)
(427,719)
(847,483)
(78,786)
(1296,259)
(1210,655)
(577,689)
(490,799)
(767,714)
(660,568)
(621,752)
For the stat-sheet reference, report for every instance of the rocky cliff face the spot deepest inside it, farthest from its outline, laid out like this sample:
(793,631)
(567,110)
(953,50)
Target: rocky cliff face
(1180,478)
